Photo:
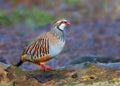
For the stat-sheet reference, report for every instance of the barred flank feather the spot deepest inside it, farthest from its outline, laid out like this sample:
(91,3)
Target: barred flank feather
(38,48)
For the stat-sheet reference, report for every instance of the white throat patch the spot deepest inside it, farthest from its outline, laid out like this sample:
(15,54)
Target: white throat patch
(62,26)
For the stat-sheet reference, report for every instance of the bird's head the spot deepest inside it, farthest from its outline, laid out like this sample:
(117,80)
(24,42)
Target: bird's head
(61,24)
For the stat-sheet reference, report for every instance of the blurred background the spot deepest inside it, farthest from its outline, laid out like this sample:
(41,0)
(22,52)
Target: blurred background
(95,28)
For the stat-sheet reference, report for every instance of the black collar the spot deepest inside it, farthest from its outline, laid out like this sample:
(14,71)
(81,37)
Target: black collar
(59,28)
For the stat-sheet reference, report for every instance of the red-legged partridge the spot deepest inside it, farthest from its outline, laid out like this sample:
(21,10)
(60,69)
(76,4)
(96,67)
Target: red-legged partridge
(46,46)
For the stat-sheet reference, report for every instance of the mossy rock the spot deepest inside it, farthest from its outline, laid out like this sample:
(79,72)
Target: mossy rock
(61,77)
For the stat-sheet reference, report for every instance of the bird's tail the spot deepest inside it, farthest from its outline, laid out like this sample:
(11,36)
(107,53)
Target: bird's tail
(23,57)
(19,63)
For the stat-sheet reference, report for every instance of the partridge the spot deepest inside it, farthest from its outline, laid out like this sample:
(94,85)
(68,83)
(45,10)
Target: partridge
(46,46)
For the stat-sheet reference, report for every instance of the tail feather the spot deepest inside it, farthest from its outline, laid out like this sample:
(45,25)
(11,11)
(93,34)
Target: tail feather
(19,63)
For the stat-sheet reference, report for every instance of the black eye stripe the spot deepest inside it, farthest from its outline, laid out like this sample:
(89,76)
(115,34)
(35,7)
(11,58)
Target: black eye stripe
(63,22)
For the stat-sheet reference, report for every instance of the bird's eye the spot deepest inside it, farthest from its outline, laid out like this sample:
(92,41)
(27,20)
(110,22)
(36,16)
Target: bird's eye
(64,22)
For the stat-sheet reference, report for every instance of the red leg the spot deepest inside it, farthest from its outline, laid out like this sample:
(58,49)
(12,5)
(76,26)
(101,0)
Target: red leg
(44,67)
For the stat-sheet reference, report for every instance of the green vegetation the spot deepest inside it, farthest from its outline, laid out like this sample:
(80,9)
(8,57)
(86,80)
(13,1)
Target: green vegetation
(72,1)
(33,18)
(4,20)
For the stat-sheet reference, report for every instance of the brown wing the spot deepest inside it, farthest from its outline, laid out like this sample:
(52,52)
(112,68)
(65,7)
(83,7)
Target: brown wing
(38,48)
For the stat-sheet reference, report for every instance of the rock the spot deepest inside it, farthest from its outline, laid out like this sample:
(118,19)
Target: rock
(69,75)
(3,75)
(82,59)
(107,59)
(110,65)
(5,66)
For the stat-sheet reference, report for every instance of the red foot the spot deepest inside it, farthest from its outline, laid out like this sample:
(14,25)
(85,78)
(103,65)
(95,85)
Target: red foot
(44,67)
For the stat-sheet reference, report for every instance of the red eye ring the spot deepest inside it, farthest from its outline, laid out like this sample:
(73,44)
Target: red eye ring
(67,23)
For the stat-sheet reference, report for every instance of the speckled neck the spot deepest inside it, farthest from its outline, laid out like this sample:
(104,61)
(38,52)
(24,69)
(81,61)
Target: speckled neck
(58,33)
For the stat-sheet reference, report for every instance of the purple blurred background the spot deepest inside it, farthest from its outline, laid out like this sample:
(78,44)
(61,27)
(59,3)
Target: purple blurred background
(95,28)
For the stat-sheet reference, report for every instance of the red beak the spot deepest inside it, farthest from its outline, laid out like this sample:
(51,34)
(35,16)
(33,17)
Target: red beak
(68,23)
